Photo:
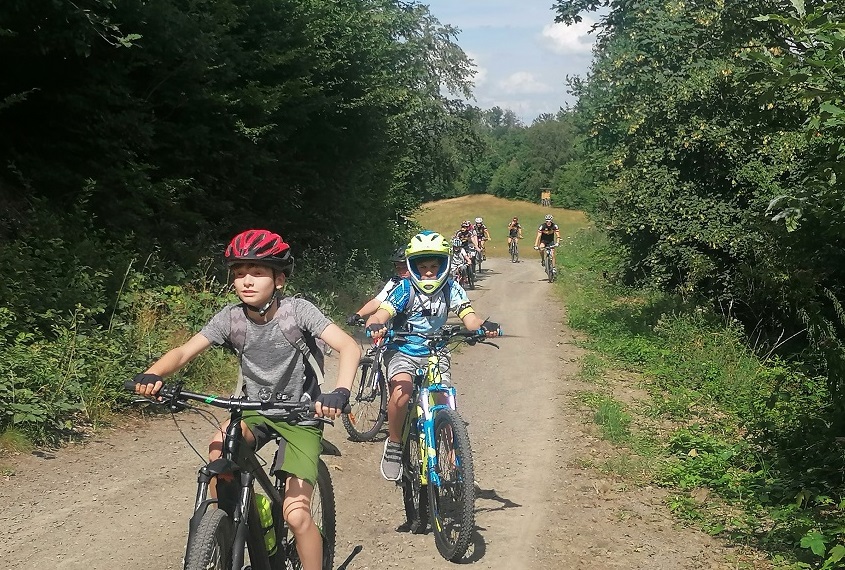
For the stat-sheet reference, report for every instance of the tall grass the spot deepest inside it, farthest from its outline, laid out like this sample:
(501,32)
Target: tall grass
(750,429)
(51,387)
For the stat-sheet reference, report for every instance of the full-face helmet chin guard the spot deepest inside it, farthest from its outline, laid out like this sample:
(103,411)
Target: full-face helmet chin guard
(424,245)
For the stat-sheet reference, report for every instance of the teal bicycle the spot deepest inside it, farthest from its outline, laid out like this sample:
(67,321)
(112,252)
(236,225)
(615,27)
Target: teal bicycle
(438,485)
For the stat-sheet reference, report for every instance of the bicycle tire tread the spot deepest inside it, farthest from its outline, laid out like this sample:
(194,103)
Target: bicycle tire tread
(454,551)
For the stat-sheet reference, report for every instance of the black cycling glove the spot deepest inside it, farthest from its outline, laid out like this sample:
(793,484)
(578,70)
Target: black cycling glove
(353,320)
(490,326)
(338,399)
(145,379)
(375,327)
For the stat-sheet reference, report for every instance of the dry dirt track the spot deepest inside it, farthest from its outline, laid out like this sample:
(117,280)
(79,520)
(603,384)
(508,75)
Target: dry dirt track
(123,499)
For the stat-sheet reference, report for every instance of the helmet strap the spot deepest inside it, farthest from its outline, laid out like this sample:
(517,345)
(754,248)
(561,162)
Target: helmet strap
(266,307)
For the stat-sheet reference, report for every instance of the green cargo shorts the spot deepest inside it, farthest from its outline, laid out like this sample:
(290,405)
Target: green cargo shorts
(299,448)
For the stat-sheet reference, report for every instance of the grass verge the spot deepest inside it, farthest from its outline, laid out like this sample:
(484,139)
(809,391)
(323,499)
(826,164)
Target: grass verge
(740,442)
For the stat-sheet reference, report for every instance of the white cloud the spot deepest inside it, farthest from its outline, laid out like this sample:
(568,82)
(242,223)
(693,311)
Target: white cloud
(564,39)
(523,82)
(480,75)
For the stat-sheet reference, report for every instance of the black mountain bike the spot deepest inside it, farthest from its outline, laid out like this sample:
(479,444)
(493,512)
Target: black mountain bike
(368,398)
(549,261)
(513,250)
(479,255)
(231,536)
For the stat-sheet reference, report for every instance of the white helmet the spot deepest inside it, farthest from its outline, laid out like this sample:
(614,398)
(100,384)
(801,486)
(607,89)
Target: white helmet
(549,217)
(479,221)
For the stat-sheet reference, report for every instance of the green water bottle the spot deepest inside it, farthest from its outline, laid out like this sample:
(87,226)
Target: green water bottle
(265,516)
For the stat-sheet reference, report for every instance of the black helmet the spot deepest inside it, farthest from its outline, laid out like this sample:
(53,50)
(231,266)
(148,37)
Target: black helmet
(398,255)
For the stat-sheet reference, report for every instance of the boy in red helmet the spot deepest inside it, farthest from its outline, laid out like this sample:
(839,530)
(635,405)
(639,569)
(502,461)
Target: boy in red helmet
(261,263)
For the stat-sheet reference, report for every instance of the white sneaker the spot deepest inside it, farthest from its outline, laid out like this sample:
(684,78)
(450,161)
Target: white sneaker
(391,461)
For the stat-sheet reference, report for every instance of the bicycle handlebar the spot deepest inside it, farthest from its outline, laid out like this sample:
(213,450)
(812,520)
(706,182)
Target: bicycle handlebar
(445,334)
(173,392)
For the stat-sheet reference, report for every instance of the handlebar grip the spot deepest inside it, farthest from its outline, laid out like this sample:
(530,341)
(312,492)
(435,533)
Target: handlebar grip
(347,409)
(130,385)
(483,332)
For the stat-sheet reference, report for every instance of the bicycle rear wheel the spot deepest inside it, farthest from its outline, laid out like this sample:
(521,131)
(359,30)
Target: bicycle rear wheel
(414,493)
(211,547)
(452,503)
(324,514)
(368,402)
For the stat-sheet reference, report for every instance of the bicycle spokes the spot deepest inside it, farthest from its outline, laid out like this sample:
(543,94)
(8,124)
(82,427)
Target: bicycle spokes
(452,498)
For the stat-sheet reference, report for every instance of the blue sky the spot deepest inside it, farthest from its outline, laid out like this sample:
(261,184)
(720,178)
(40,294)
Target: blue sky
(522,56)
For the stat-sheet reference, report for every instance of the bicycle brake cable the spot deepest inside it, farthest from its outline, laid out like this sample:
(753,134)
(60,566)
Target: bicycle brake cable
(204,415)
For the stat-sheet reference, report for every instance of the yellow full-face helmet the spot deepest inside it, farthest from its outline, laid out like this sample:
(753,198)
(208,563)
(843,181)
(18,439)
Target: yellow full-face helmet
(424,245)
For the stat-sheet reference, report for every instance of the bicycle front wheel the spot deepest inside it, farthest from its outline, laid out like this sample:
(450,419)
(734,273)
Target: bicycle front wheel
(368,402)
(324,514)
(550,268)
(211,546)
(452,502)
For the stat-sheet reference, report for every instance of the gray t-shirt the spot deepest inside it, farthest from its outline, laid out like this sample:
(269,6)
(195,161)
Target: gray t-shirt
(269,360)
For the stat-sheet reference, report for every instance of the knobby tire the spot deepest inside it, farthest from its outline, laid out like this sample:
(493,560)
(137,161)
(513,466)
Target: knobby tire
(324,515)
(414,493)
(211,546)
(550,269)
(452,505)
(369,403)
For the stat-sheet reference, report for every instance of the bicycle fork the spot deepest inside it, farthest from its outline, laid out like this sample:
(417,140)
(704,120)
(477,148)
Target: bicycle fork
(426,413)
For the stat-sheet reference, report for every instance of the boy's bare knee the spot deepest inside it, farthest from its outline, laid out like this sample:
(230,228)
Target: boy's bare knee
(298,515)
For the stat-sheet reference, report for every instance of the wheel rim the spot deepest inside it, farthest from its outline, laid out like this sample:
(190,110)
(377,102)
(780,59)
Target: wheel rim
(449,497)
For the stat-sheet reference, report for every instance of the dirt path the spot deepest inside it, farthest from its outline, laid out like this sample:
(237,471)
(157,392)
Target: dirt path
(123,499)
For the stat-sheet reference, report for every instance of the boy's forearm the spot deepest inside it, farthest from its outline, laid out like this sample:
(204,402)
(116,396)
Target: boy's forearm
(350,356)
(369,308)
(348,351)
(472,321)
(379,317)
(178,357)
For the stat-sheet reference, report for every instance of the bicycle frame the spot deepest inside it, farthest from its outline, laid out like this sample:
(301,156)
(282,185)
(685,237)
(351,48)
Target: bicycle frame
(427,383)
(244,466)
(236,472)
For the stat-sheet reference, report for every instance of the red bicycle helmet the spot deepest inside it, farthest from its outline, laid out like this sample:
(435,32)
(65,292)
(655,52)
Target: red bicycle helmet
(260,246)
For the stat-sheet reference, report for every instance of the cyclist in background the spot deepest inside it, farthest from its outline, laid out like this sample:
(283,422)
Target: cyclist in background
(548,233)
(514,231)
(401,272)
(469,241)
(467,235)
(460,259)
(482,234)
(426,310)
